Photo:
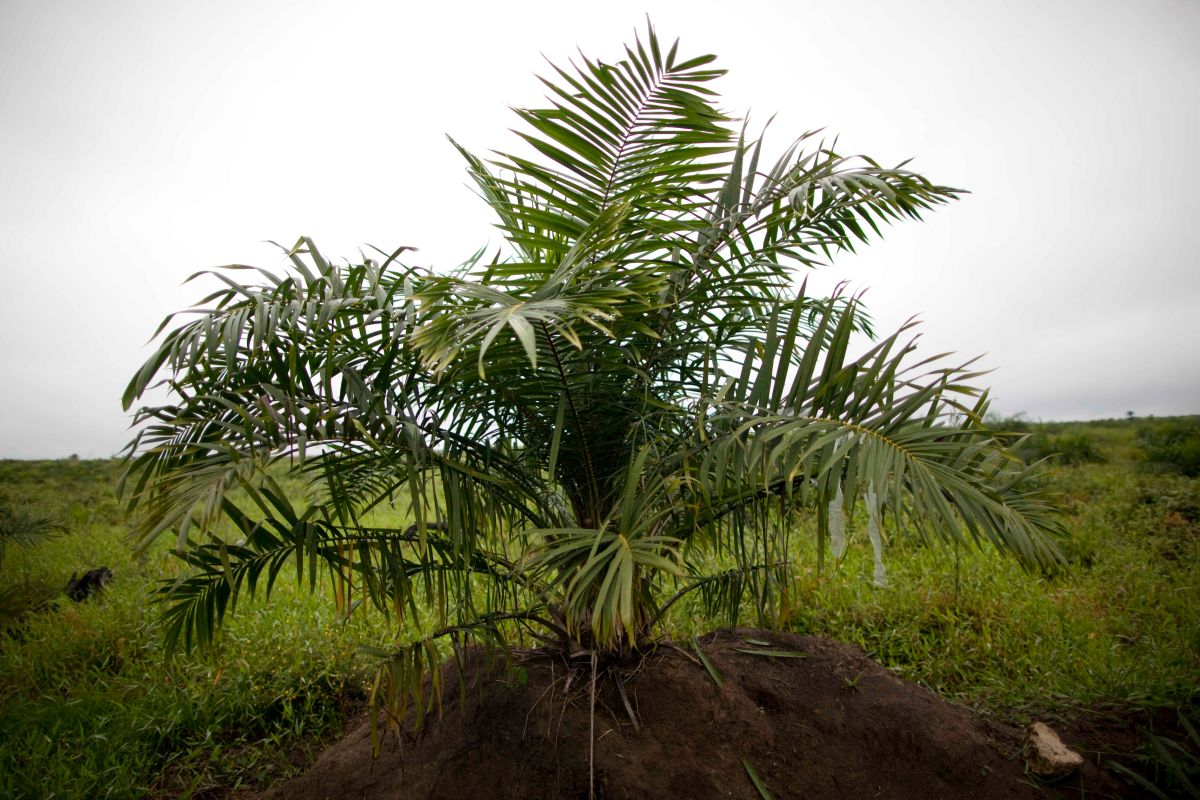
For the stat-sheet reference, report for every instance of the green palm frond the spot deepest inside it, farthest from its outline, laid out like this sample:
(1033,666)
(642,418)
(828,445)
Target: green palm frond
(814,424)
(25,527)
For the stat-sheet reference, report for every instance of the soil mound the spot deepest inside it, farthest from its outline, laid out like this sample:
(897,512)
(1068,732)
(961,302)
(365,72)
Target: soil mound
(804,716)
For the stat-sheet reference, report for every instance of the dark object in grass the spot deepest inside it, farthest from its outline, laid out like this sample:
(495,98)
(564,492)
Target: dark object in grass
(80,589)
(435,525)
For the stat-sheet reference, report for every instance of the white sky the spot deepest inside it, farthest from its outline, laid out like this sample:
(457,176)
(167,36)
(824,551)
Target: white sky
(142,141)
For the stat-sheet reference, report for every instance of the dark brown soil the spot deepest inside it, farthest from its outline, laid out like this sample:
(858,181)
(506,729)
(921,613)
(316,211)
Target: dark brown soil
(831,724)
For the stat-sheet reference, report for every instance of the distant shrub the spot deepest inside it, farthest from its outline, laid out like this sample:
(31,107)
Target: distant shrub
(1066,448)
(1076,448)
(1017,423)
(1033,441)
(1173,444)
(1013,431)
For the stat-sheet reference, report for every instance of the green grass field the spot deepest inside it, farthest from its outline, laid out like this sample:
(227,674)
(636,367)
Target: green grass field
(89,707)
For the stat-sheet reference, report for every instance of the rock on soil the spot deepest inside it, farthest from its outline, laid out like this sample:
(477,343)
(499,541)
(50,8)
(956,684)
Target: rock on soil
(832,724)
(1046,755)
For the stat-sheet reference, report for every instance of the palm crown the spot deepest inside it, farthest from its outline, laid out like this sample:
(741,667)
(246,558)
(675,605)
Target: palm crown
(632,388)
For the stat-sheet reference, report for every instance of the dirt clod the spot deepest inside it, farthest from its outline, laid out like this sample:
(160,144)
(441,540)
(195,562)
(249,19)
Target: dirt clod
(1045,753)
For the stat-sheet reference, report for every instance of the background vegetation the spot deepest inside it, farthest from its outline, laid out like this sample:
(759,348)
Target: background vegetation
(89,706)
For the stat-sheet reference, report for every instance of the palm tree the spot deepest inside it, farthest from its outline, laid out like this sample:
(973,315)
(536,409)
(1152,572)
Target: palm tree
(630,401)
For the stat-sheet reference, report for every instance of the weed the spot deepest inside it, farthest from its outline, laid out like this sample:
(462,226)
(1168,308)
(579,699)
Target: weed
(1167,767)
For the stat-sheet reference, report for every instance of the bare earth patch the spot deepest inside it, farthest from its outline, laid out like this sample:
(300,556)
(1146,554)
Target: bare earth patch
(830,724)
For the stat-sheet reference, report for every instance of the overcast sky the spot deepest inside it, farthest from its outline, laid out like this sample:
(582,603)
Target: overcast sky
(142,141)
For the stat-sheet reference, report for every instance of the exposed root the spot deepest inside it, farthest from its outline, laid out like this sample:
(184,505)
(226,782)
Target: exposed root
(619,682)
(592,735)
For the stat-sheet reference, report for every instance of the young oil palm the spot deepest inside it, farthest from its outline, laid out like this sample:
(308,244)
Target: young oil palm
(632,390)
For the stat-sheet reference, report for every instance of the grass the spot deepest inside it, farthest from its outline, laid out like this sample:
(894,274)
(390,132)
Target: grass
(89,707)
(1122,625)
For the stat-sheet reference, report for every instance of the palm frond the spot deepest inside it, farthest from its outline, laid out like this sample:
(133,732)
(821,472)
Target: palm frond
(25,527)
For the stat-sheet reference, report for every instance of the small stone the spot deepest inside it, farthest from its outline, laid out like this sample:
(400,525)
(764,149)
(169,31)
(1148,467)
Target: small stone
(1046,755)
